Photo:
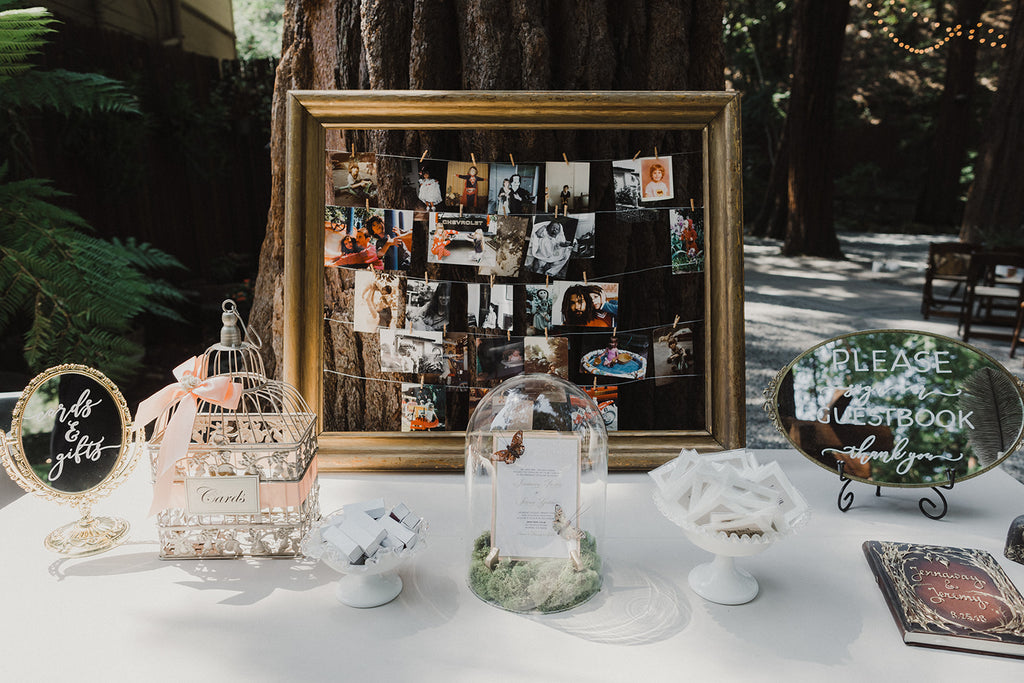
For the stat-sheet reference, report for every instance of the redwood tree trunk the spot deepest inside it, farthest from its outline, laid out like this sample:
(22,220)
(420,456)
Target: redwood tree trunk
(939,202)
(995,203)
(774,212)
(818,31)
(485,45)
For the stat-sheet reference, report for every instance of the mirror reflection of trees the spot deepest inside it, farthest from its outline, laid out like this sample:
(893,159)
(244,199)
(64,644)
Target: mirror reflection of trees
(896,392)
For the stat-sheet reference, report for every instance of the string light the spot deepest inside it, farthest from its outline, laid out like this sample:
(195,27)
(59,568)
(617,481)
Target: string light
(950,32)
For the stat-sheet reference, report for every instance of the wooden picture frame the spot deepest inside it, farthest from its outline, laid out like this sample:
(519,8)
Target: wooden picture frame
(716,114)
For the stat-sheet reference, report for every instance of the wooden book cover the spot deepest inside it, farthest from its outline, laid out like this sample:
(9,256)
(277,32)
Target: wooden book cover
(953,598)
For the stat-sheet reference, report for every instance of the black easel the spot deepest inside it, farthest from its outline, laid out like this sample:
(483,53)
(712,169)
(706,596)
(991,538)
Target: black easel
(926,505)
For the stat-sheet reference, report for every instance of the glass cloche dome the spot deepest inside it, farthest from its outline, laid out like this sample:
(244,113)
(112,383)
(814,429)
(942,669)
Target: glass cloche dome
(536,474)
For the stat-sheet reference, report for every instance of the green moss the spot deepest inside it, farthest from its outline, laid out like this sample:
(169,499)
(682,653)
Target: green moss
(550,585)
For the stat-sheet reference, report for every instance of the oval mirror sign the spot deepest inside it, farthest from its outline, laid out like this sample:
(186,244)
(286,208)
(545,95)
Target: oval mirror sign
(72,432)
(897,408)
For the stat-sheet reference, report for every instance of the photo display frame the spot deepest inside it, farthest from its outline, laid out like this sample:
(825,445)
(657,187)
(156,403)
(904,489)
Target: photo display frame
(716,115)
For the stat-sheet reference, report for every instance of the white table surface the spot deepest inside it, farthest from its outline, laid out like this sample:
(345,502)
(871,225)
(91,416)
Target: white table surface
(126,615)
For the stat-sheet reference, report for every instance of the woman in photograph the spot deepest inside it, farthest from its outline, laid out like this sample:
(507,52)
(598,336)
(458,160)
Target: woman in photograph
(491,317)
(434,315)
(656,188)
(399,256)
(469,192)
(601,302)
(550,249)
(430,190)
(519,200)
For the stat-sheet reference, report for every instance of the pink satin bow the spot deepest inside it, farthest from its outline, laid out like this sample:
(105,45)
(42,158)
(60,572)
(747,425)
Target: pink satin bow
(187,391)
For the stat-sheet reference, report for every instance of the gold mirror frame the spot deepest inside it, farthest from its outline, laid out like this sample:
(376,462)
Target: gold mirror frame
(772,391)
(716,114)
(89,535)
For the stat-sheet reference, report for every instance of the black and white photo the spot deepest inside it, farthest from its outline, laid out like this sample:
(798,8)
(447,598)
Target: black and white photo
(552,240)
(490,306)
(411,352)
(567,186)
(428,305)
(514,189)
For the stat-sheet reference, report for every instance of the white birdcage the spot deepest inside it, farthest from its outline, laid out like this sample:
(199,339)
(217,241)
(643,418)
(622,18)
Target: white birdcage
(247,485)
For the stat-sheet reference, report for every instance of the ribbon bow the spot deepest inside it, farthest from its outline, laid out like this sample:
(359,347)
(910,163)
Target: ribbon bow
(186,392)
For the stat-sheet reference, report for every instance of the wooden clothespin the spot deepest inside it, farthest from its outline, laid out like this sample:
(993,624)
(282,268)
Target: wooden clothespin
(421,380)
(353,150)
(547,280)
(675,322)
(367,203)
(693,206)
(566,158)
(636,155)
(615,331)
(492,279)
(508,334)
(512,159)
(444,329)
(473,157)
(585,277)
(545,333)
(655,151)
(424,155)
(556,210)
(426,277)
(595,383)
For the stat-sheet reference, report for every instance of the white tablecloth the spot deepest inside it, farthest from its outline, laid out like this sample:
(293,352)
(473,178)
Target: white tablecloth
(126,615)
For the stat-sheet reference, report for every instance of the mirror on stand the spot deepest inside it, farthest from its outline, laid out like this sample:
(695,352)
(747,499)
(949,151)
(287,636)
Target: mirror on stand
(71,442)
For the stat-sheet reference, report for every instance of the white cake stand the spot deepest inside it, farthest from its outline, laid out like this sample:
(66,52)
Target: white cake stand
(371,584)
(721,580)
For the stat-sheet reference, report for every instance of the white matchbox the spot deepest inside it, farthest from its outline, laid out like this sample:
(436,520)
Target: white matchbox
(343,542)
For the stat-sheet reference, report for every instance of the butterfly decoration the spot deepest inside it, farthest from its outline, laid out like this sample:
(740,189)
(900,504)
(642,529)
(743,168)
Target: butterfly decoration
(513,452)
(563,527)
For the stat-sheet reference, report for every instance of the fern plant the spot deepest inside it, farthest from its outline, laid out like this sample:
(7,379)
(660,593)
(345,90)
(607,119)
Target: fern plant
(79,294)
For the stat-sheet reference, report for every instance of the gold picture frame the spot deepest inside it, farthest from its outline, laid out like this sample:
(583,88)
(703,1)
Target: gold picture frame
(716,114)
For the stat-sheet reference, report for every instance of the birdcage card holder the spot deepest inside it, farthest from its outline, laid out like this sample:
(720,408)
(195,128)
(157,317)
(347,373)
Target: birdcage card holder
(234,457)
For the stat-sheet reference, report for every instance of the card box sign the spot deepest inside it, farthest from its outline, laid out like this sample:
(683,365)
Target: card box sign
(898,408)
(236,495)
(72,432)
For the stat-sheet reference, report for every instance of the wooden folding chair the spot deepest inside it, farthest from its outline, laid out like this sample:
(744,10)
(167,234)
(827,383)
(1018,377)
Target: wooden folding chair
(948,262)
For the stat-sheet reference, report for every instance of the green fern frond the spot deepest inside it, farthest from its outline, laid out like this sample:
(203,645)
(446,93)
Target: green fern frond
(83,294)
(22,33)
(67,91)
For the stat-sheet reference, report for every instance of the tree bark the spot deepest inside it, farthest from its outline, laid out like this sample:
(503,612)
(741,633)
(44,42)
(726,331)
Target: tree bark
(774,212)
(939,202)
(995,204)
(818,31)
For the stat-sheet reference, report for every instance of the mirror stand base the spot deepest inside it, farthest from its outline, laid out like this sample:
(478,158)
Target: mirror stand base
(927,506)
(88,536)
